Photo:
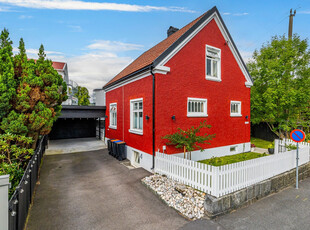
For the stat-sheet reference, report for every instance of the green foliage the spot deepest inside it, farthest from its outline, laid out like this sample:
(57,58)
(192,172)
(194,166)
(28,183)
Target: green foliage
(190,138)
(281,92)
(16,173)
(225,160)
(82,95)
(38,94)
(7,81)
(291,147)
(31,93)
(14,156)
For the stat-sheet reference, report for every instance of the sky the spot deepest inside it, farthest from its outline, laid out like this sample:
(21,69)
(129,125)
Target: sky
(98,38)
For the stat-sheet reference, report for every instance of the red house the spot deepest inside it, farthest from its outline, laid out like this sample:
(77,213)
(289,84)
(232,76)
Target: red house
(195,74)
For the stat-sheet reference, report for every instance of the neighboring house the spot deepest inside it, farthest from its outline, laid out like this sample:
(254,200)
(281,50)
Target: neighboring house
(193,75)
(62,69)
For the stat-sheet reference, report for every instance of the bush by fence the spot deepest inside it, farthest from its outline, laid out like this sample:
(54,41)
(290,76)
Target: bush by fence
(22,197)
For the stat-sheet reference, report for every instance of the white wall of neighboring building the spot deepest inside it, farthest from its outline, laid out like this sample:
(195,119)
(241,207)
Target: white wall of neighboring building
(99,97)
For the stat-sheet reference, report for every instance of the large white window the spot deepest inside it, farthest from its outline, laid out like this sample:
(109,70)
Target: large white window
(136,116)
(213,63)
(235,108)
(197,107)
(113,115)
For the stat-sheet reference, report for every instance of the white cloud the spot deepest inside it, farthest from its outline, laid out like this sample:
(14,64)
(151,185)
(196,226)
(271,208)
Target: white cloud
(235,14)
(93,70)
(113,46)
(246,55)
(25,17)
(83,5)
(75,28)
(304,12)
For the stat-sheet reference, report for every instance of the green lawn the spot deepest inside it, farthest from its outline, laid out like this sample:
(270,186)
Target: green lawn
(260,143)
(225,160)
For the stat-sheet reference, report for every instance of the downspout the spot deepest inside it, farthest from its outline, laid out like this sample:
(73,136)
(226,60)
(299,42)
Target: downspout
(153,118)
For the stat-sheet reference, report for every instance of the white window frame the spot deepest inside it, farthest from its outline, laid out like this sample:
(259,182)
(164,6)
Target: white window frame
(134,130)
(238,114)
(218,51)
(198,114)
(111,117)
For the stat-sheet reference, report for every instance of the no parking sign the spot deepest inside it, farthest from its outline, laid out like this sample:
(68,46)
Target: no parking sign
(297,135)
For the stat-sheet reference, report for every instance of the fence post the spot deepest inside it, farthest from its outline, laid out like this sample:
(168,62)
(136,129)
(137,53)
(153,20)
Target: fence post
(276,146)
(4,202)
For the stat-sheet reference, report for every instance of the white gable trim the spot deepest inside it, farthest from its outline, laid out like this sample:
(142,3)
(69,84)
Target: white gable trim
(130,80)
(214,16)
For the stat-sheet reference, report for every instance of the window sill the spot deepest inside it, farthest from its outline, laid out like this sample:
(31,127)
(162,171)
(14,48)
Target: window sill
(197,115)
(139,132)
(236,115)
(112,127)
(213,78)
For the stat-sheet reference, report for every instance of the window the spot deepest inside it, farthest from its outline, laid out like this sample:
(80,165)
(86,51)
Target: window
(213,63)
(233,149)
(113,115)
(136,116)
(235,108)
(196,107)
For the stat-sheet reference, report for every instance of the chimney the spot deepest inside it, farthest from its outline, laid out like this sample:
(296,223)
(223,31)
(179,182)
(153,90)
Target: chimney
(171,30)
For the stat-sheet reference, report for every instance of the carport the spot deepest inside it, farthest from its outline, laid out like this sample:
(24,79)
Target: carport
(79,122)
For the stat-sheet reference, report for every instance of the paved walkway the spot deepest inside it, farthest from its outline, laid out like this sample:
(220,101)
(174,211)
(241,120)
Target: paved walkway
(92,190)
(74,145)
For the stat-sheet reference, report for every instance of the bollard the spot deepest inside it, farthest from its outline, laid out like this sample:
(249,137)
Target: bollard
(4,202)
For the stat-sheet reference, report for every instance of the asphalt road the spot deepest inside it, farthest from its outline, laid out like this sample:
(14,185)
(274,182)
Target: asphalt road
(92,190)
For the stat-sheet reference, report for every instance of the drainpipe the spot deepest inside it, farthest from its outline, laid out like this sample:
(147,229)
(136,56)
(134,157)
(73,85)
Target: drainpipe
(153,118)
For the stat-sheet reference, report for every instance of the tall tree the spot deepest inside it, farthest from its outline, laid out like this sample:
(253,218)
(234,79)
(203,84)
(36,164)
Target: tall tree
(7,81)
(38,96)
(281,92)
(82,95)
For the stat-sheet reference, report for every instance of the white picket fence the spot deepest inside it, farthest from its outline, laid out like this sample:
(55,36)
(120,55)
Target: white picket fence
(222,180)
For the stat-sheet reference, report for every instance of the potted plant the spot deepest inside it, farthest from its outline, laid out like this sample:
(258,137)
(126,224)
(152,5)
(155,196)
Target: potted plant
(253,147)
(271,148)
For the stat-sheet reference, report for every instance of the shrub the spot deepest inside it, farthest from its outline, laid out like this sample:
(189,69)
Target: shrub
(16,173)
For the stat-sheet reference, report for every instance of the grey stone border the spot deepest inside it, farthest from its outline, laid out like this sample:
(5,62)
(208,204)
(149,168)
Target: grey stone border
(219,206)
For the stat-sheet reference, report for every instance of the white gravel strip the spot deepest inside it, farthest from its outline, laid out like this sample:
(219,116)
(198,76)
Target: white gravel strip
(188,201)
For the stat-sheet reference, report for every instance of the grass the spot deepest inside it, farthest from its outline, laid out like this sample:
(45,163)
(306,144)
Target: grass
(260,143)
(225,160)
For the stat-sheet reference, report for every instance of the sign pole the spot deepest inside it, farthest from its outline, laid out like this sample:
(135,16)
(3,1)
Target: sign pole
(297,157)
(297,135)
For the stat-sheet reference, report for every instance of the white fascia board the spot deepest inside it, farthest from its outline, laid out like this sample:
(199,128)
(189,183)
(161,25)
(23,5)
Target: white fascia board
(132,79)
(214,16)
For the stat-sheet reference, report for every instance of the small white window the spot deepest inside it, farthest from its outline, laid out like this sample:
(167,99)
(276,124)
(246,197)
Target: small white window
(136,116)
(197,107)
(213,63)
(113,115)
(235,108)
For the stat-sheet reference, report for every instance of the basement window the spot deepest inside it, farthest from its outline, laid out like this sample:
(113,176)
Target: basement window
(196,107)
(213,63)
(233,149)
(113,116)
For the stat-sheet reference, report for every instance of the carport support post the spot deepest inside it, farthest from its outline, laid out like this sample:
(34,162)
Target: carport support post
(4,202)
(297,157)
